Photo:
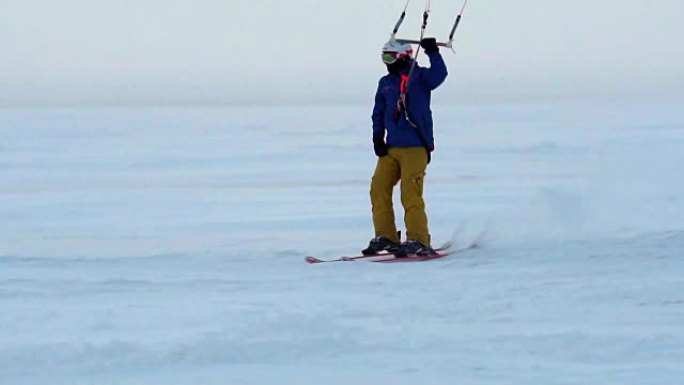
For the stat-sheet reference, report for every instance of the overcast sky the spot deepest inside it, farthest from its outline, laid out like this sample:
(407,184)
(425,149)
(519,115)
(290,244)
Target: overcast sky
(305,51)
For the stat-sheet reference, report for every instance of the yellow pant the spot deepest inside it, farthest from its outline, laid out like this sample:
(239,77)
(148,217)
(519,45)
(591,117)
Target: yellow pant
(408,165)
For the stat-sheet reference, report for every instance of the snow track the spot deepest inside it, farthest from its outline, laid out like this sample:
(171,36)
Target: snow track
(132,265)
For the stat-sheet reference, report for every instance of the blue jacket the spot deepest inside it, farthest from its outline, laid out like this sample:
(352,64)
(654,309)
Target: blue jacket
(400,133)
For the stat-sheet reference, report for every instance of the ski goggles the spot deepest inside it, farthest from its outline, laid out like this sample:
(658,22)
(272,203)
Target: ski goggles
(390,57)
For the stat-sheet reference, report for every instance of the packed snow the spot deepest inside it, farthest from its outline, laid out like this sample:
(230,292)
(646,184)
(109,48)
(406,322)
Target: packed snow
(167,245)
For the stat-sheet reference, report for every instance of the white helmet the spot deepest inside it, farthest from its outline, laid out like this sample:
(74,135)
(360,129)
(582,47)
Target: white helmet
(394,50)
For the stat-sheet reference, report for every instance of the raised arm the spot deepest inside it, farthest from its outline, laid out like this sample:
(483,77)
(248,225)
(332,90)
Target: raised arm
(435,75)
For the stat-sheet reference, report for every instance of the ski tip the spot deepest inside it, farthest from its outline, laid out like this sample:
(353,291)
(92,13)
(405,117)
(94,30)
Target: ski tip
(312,260)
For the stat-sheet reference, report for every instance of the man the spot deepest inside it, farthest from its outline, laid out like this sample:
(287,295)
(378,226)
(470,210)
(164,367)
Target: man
(403,141)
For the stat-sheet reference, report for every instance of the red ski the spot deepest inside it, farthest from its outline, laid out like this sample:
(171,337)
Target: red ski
(442,252)
(413,258)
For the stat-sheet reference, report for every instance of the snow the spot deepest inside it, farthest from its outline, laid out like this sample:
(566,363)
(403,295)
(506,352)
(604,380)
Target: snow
(167,245)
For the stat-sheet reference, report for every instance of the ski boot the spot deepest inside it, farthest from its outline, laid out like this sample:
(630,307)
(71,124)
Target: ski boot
(379,244)
(411,247)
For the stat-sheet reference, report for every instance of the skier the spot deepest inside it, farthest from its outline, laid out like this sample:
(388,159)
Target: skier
(403,141)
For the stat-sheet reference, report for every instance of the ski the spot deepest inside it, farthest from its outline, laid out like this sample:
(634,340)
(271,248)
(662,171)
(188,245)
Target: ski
(412,258)
(440,254)
(443,251)
(391,258)
(310,259)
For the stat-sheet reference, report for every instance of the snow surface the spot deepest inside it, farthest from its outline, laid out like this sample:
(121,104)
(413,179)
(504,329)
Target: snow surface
(166,246)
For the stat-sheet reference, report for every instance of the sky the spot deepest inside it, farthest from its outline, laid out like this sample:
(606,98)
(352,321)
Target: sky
(210,52)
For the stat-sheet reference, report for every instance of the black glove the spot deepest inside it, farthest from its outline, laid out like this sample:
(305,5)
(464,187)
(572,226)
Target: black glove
(379,146)
(429,44)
